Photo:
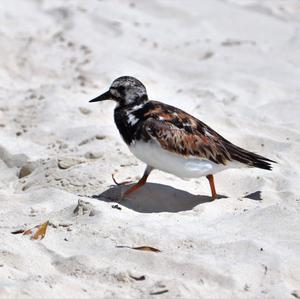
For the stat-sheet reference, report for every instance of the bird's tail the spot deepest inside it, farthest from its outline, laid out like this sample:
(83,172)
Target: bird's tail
(249,158)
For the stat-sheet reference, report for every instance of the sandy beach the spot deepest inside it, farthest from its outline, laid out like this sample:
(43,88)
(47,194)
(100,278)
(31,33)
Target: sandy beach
(233,64)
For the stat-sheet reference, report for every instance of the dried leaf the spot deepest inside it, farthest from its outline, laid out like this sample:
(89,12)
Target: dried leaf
(142,248)
(38,232)
(146,248)
(138,277)
(159,292)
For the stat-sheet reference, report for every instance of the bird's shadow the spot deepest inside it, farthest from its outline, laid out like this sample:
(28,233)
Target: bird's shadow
(154,198)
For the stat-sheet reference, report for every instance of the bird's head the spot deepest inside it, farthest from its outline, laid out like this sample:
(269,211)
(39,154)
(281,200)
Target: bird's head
(125,91)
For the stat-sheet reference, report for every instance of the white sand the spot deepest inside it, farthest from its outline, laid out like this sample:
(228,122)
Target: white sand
(233,64)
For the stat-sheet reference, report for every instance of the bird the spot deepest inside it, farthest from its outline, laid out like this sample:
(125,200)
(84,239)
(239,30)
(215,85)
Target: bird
(171,140)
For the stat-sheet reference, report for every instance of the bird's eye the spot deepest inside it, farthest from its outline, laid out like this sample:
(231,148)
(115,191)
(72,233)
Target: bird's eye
(121,89)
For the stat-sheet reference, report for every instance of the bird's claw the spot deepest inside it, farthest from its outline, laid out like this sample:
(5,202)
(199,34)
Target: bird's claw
(120,184)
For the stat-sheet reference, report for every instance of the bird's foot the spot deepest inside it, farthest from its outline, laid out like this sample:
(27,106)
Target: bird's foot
(121,183)
(123,193)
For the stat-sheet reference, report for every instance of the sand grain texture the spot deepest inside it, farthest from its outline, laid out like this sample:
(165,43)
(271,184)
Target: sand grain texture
(233,64)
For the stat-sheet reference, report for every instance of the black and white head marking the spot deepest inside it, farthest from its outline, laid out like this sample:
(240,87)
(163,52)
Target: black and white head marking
(127,91)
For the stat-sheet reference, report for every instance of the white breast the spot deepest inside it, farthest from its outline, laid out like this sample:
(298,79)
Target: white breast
(153,155)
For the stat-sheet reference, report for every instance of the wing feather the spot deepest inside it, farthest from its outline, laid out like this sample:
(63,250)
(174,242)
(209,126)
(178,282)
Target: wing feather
(181,133)
(184,142)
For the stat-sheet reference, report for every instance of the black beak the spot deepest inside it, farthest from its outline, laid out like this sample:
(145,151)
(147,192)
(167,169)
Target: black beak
(105,96)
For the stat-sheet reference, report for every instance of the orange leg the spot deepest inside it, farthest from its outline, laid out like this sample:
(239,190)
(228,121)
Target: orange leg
(140,183)
(212,186)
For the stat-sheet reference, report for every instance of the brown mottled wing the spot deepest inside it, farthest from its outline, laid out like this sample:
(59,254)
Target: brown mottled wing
(186,141)
(181,133)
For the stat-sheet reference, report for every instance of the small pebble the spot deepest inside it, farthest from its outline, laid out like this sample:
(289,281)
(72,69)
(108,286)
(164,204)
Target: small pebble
(116,207)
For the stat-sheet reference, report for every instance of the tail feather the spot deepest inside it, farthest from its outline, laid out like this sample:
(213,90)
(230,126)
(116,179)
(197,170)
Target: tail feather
(249,158)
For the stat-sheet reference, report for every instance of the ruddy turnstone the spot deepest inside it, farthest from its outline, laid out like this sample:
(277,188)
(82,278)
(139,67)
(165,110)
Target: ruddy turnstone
(171,140)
